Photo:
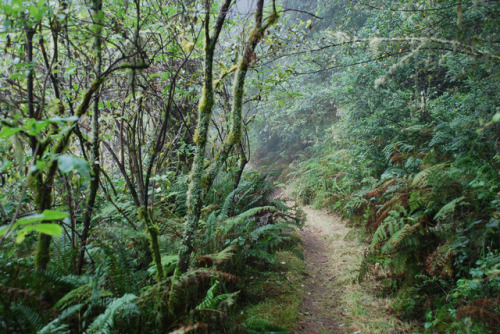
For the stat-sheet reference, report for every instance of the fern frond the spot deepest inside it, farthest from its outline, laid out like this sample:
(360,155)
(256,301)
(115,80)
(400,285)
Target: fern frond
(105,321)
(74,280)
(219,258)
(55,326)
(398,237)
(228,202)
(422,178)
(211,300)
(389,226)
(33,319)
(80,295)
(448,209)
(261,254)
(260,230)
(231,222)
(439,261)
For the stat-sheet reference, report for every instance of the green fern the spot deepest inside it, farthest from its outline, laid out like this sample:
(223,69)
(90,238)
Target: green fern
(398,238)
(261,254)
(255,234)
(55,326)
(389,226)
(81,295)
(119,307)
(422,178)
(231,222)
(31,317)
(211,300)
(416,201)
(223,256)
(449,209)
(228,202)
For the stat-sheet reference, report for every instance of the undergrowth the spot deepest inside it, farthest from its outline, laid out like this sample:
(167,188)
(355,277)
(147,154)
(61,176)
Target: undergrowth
(241,229)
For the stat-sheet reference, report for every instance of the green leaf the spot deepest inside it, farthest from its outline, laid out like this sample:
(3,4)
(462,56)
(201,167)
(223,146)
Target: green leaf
(31,219)
(54,215)
(34,127)
(496,118)
(35,12)
(3,229)
(44,216)
(21,235)
(49,229)
(68,162)
(8,132)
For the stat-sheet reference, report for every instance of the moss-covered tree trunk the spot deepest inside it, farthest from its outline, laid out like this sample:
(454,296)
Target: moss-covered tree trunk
(205,107)
(201,180)
(244,62)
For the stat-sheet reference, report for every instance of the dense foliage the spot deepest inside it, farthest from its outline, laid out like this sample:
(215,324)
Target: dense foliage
(398,109)
(125,133)
(103,227)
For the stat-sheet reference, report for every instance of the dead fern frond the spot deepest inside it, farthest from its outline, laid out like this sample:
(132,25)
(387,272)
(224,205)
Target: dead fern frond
(483,310)
(439,262)
(379,191)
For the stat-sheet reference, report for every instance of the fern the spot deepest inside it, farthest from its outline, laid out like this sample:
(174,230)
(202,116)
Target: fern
(422,179)
(416,201)
(211,300)
(33,319)
(261,254)
(399,236)
(390,226)
(447,210)
(228,202)
(219,258)
(255,234)
(83,294)
(55,325)
(231,222)
(121,306)
(74,280)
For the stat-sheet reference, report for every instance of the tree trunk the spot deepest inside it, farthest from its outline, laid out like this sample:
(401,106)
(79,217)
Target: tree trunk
(94,156)
(202,181)
(205,107)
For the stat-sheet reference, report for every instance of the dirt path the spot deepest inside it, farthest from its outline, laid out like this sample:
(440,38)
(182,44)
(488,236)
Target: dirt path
(323,241)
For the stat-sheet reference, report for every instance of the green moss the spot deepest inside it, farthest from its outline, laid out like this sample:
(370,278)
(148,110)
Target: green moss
(141,213)
(235,137)
(202,106)
(273,19)
(42,253)
(153,231)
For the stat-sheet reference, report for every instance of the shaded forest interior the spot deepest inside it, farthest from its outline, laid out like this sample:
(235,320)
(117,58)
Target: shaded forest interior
(145,145)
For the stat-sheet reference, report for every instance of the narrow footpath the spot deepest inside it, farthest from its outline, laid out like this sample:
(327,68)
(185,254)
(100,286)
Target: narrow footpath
(324,251)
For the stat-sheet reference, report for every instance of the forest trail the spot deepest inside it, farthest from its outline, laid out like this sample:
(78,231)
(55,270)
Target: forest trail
(325,254)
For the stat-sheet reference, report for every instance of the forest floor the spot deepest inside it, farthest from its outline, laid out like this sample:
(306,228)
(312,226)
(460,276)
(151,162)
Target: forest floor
(332,299)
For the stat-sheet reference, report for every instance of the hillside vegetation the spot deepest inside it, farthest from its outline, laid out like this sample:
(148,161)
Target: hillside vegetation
(405,145)
(141,142)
